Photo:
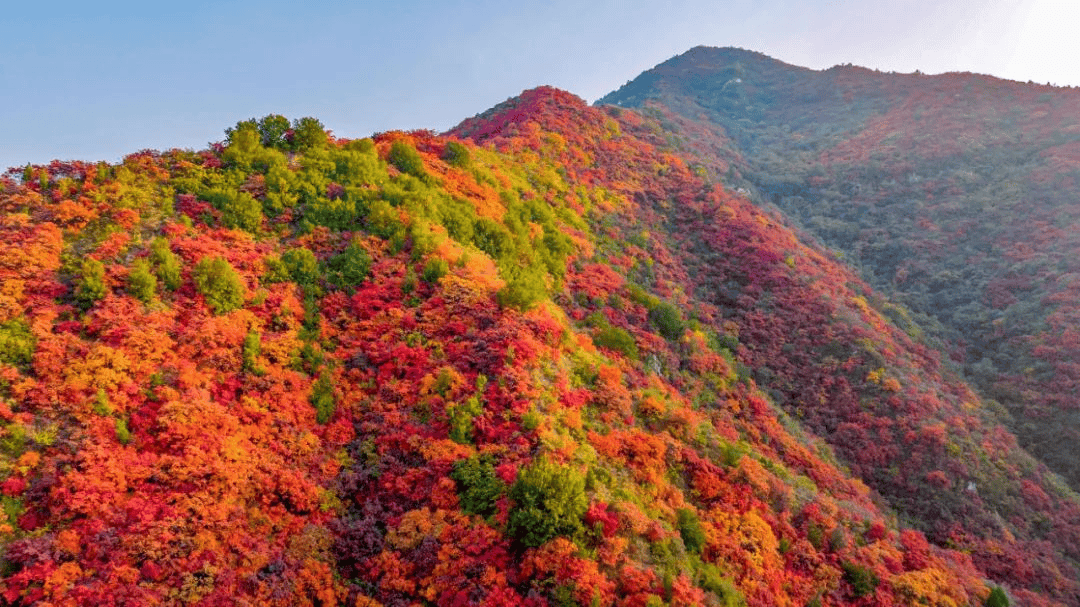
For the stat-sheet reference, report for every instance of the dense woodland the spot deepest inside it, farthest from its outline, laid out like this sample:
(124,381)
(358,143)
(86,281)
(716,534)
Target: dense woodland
(954,195)
(543,359)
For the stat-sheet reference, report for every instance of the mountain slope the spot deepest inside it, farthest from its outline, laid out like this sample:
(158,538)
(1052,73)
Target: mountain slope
(809,331)
(955,194)
(518,364)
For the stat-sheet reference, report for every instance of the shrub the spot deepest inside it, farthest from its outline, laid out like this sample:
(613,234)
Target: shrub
(219,284)
(523,291)
(90,286)
(301,265)
(322,398)
(461,419)
(667,320)
(350,268)
(407,159)
(434,269)
(693,535)
(997,598)
(549,500)
(478,486)
(456,154)
(242,211)
(141,281)
(618,340)
(166,262)
(863,580)
(123,434)
(16,343)
(252,349)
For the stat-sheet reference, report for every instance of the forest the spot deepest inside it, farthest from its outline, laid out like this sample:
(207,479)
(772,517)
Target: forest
(548,358)
(954,195)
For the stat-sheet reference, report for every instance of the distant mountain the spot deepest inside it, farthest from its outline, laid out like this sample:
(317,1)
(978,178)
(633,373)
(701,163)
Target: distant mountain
(543,359)
(957,195)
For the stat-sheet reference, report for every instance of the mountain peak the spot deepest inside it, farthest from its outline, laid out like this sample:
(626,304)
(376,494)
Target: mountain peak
(544,104)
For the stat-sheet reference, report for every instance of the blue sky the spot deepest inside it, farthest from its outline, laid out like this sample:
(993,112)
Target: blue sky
(95,81)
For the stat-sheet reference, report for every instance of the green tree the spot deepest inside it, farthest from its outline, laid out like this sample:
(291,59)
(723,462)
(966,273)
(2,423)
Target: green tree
(252,349)
(492,238)
(549,500)
(434,269)
(90,285)
(238,209)
(693,535)
(711,579)
(17,343)
(407,160)
(478,486)
(350,268)
(524,290)
(863,580)
(308,133)
(322,398)
(667,320)
(245,148)
(123,434)
(242,211)
(616,339)
(997,598)
(166,262)
(273,129)
(141,281)
(456,154)
(219,284)
(301,265)
(461,419)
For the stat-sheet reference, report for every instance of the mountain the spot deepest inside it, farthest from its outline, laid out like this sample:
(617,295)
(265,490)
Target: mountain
(543,359)
(955,195)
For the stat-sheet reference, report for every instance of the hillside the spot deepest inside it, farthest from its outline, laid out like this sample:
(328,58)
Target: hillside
(955,195)
(539,360)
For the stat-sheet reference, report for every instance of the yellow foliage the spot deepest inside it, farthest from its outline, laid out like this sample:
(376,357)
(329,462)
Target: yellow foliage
(930,586)
(462,292)
(27,461)
(746,540)
(103,367)
(11,298)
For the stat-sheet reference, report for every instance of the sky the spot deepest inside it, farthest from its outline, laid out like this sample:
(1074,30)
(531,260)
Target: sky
(99,80)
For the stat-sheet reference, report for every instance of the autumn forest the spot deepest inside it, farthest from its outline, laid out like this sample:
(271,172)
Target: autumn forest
(703,343)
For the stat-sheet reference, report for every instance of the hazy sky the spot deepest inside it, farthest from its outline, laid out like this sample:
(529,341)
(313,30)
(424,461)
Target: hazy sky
(97,80)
